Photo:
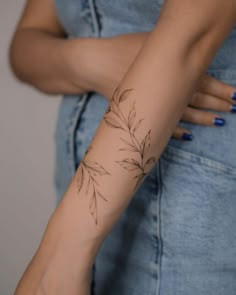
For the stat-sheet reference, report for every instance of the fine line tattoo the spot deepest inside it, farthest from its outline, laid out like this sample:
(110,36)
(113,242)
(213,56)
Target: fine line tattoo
(87,172)
(115,118)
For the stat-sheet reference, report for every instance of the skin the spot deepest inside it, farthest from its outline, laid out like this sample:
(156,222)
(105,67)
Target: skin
(106,181)
(76,68)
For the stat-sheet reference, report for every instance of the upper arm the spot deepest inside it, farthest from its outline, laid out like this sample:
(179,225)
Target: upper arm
(196,27)
(192,19)
(201,14)
(40,14)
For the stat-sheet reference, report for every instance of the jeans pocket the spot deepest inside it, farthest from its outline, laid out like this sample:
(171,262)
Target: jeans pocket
(198,212)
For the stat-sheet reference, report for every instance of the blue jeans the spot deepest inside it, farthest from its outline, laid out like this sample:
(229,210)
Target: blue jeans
(177,236)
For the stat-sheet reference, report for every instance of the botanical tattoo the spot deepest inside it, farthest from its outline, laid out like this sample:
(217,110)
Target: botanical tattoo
(115,118)
(88,172)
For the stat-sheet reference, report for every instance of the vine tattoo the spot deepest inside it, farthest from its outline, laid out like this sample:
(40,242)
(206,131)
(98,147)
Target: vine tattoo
(91,169)
(115,118)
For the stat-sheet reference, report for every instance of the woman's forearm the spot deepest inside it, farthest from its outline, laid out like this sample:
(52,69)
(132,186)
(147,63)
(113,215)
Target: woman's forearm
(137,125)
(129,140)
(50,63)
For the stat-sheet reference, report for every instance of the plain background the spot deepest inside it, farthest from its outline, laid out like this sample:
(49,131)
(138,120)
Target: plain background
(27,155)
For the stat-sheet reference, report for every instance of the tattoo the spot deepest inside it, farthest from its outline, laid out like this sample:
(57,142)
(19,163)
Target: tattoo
(115,118)
(88,171)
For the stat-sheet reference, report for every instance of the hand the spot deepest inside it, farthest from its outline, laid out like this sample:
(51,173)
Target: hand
(211,94)
(108,59)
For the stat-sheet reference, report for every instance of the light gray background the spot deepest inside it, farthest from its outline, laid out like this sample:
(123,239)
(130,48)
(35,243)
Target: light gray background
(27,151)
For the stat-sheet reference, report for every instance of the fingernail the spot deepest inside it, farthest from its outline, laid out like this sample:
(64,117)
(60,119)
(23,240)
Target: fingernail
(233,96)
(219,122)
(233,108)
(187,136)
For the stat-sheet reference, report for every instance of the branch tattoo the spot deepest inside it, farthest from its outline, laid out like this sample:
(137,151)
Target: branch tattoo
(115,118)
(88,172)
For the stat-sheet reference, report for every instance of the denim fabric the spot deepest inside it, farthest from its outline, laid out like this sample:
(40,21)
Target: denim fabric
(177,236)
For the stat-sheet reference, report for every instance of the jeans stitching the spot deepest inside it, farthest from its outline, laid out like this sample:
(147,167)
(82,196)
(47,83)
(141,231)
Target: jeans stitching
(95,18)
(71,129)
(159,195)
(177,154)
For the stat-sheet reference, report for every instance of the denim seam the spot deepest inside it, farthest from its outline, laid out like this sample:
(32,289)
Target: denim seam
(72,123)
(159,195)
(92,283)
(77,126)
(95,18)
(96,30)
(176,154)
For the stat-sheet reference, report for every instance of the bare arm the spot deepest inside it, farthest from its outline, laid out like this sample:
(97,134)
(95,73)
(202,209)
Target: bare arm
(141,116)
(41,55)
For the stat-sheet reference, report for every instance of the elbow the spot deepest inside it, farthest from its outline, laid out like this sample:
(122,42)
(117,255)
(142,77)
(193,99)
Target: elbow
(13,61)
(202,34)
(17,61)
(204,47)
(199,50)
(21,69)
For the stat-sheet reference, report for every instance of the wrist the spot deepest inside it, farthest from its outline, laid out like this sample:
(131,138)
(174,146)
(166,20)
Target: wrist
(91,62)
(65,282)
(63,261)
(68,244)
(78,56)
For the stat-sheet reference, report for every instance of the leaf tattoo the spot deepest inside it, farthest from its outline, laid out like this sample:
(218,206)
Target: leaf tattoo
(88,171)
(115,118)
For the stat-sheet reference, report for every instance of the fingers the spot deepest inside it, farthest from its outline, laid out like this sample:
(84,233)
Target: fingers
(214,87)
(202,117)
(211,94)
(199,117)
(206,101)
(182,134)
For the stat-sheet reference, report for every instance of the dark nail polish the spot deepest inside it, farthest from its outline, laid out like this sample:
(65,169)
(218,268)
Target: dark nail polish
(234,96)
(219,122)
(233,108)
(187,136)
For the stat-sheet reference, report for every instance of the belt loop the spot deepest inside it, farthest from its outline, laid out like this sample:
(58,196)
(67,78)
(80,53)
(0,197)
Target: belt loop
(95,18)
